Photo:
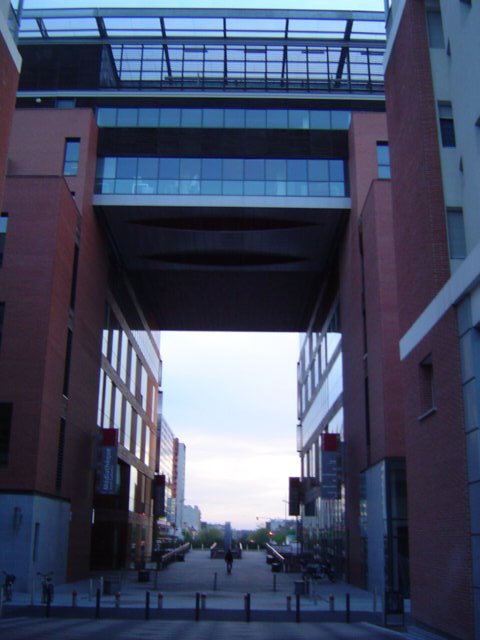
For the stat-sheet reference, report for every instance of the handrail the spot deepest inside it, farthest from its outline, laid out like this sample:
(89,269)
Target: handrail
(275,553)
(170,556)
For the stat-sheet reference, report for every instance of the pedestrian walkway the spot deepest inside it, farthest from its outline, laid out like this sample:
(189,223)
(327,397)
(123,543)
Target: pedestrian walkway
(197,598)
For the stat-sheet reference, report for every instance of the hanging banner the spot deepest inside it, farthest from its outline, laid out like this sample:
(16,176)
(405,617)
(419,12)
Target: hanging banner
(330,466)
(107,462)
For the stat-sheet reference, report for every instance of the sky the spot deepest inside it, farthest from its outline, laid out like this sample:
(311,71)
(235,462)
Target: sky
(231,398)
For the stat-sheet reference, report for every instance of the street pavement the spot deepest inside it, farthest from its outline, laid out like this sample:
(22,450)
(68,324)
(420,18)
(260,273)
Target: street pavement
(329,611)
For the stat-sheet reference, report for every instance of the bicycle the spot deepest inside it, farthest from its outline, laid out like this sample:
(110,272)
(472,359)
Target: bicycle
(8,586)
(47,587)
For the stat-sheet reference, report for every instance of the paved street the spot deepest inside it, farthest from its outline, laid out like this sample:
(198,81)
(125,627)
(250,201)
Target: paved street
(223,616)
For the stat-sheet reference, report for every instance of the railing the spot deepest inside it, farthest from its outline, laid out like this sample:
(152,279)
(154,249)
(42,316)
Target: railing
(175,554)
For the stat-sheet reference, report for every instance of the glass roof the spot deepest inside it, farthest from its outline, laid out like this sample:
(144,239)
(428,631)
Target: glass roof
(293,49)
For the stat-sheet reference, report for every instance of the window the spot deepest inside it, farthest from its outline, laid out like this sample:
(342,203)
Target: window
(3,234)
(435,30)
(447,130)
(68,356)
(383,160)
(6,409)
(60,455)
(456,234)
(426,388)
(72,154)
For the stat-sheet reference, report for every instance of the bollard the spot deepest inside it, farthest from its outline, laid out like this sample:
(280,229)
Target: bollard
(160,600)
(74,598)
(147,605)
(274,581)
(97,604)
(197,606)
(215,578)
(247,607)
(90,589)
(289,603)
(347,607)
(47,607)
(117,599)
(203,598)
(331,602)
(375,600)
(297,607)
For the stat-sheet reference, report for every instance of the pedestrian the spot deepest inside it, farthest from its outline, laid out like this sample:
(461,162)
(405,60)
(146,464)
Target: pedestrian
(229,560)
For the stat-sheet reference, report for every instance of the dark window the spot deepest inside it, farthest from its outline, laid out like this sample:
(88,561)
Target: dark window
(383,160)
(72,154)
(6,409)
(426,388)
(68,356)
(3,234)
(2,315)
(435,30)
(447,130)
(456,234)
(73,288)
(60,455)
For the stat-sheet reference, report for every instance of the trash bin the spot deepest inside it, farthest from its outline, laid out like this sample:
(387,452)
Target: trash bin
(144,576)
(299,587)
(276,567)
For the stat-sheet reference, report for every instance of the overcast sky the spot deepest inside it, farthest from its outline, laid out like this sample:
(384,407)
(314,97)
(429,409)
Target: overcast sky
(231,398)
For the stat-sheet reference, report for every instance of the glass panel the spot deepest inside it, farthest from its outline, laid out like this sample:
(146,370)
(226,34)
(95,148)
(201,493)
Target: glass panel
(383,153)
(277,118)
(169,168)
(336,168)
(107,167)
(235,118)
(337,189)
(232,188)
(106,117)
(276,170)
(211,187)
(125,186)
(211,169)
(147,168)
(190,187)
(233,169)
(254,169)
(320,120)
(190,168)
(148,117)
(169,117)
(318,189)
(213,118)
(256,119)
(167,187)
(297,189)
(254,188)
(127,117)
(296,170)
(298,119)
(384,172)
(126,167)
(191,117)
(318,170)
(341,120)
(276,188)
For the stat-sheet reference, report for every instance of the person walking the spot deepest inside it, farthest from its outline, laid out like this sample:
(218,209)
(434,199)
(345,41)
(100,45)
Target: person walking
(229,560)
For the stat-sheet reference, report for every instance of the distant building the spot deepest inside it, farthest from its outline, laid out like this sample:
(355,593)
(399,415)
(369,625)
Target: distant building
(179,483)
(192,517)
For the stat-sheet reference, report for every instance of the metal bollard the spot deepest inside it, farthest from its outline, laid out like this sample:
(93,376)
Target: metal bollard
(297,607)
(331,602)
(203,599)
(347,607)
(147,605)
(289,603)
(215,579)
(247,607)
(97,604)
(160,600)
(74,598)
(197,606)
(117,599)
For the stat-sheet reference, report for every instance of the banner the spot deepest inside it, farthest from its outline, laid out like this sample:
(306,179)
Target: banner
(330,466)
(107,462)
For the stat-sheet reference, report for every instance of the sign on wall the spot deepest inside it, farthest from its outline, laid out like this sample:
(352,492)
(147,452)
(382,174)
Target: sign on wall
(107,462)
(330,466)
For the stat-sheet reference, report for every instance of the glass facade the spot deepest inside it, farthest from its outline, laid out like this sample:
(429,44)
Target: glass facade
(321,177)
(210,118)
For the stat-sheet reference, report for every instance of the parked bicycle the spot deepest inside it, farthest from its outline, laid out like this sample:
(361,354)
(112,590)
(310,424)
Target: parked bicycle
(47,587)
(8,586)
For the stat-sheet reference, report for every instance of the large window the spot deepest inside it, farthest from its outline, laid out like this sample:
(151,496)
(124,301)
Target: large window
(222,176)
(447,129)
(3,234)
(383,160)
(456,234)
(72,154)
